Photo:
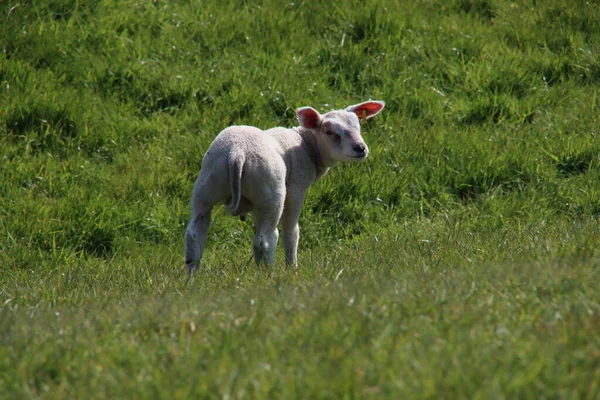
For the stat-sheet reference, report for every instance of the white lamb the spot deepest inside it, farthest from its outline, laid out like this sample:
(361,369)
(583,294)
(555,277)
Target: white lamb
(268,173)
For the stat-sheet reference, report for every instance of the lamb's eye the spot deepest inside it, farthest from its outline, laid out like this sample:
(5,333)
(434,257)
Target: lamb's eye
(328,132)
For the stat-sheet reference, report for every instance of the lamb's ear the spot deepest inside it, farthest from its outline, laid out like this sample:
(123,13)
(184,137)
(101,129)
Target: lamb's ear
(309,117)
(367,109)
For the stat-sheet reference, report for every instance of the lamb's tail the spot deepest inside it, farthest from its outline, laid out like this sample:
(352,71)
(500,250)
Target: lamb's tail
(236,164)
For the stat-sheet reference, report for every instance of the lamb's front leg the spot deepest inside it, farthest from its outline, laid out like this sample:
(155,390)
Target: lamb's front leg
(291,229)
(196,234)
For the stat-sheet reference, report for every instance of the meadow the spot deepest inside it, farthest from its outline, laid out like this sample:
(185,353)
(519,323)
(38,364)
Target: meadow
(460,260)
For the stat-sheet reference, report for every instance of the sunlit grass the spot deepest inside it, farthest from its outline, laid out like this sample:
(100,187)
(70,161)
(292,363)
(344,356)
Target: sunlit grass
(459,261)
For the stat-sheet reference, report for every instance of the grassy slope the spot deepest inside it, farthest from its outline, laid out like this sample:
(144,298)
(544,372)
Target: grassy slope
(461,260)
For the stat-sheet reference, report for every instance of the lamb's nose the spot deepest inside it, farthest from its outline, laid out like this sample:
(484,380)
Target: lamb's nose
(359,148)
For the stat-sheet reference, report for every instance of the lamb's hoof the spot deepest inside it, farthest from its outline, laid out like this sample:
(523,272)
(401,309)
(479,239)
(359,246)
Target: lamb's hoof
(191,268)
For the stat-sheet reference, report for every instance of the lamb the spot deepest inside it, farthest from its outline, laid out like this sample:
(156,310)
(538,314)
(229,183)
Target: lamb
(267,173)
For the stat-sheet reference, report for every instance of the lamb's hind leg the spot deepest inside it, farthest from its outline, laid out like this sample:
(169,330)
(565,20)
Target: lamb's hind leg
(195,235)
(265,240)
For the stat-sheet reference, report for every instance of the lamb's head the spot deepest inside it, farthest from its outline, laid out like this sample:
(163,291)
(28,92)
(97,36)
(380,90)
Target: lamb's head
(338,132)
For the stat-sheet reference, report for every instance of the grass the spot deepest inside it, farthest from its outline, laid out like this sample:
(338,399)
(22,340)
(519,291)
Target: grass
(460,261)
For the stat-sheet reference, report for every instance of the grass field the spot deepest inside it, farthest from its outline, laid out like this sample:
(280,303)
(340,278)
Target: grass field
(461,260)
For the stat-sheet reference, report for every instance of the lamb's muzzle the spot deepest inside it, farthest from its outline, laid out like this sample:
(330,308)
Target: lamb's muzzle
(267,173)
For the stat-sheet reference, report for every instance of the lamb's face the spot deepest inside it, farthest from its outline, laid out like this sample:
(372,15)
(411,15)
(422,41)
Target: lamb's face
(340,133)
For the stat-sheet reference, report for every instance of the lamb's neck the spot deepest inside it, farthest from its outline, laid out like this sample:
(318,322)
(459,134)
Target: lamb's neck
(320,161)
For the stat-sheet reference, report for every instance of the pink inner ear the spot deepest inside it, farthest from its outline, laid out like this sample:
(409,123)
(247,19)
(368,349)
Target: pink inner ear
(369,108)
(309,117)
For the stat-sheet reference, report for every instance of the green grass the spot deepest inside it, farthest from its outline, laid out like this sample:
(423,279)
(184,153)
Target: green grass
(462,260)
